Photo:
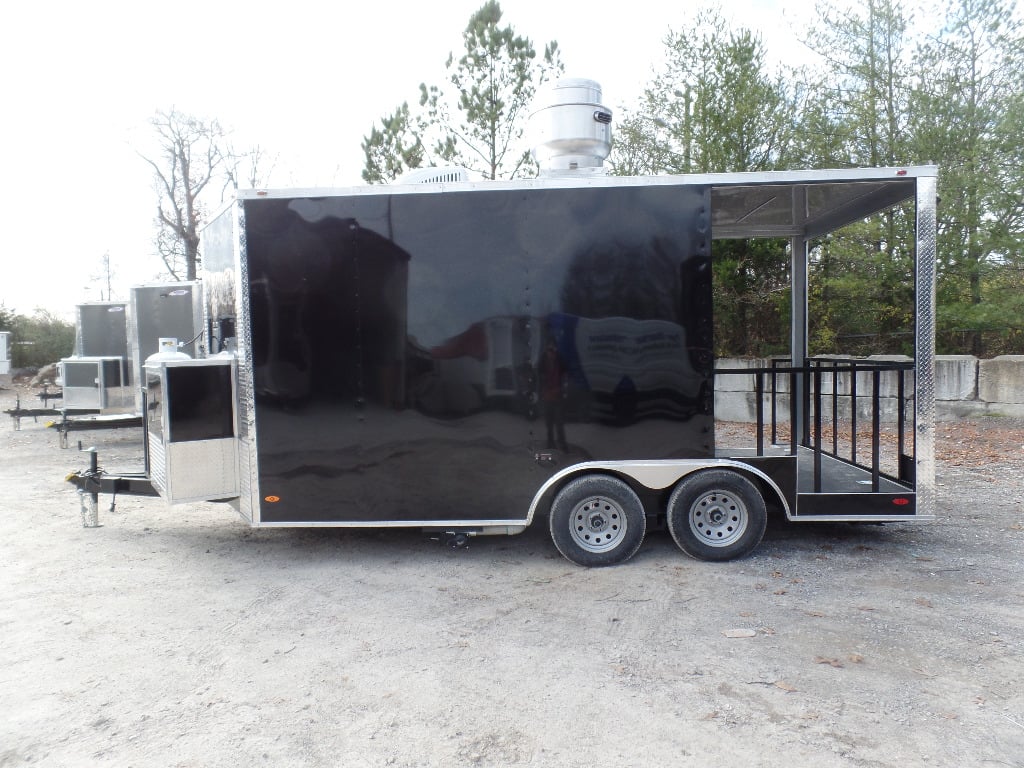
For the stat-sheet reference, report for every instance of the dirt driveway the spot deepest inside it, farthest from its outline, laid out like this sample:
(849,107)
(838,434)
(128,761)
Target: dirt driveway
(181,637)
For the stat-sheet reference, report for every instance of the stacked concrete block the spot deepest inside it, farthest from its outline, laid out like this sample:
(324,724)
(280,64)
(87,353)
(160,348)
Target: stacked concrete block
(956,377)
(734,393)
(1000,379)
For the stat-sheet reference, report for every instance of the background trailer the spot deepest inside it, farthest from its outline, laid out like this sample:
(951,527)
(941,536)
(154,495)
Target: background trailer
(5,353)
(98,377)
(163,310)
(466,357)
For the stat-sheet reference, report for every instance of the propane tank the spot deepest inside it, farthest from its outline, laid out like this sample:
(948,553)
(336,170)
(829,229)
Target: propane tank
(167,349)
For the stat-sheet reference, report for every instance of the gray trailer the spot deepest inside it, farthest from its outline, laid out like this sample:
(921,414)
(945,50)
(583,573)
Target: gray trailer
(163,310)
(97,378)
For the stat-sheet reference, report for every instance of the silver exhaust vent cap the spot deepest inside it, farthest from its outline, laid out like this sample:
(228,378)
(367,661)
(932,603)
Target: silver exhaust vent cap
(571,129)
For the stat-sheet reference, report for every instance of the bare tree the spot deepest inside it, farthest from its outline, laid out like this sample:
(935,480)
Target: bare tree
(105,277)
(248,169)
(190,156)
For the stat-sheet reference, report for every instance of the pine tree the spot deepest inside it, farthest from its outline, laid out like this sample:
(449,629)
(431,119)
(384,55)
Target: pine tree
(477,119)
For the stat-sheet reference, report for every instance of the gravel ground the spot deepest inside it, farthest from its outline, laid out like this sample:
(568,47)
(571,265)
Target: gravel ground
(181,637)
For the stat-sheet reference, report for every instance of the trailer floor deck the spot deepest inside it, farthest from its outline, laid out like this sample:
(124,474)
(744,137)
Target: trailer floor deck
(837,476)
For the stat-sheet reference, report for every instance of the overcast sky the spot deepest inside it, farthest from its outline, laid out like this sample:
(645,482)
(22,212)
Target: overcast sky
(305,80)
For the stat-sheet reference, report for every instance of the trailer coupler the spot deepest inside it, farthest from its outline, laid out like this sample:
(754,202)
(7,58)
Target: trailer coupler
(66,425)
(93,481)
(18,413)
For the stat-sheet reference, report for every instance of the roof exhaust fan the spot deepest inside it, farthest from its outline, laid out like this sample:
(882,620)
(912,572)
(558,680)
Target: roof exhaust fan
(571,129)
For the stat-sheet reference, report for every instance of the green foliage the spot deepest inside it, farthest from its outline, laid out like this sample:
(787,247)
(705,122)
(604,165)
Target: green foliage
(479,122)
(861,289)
(969,110)
(952,96)
(897,83)
(751,294)
(890,90)
(392,149)
(38,340)
(855,113)
(713,108)
(863,89)
(7,318)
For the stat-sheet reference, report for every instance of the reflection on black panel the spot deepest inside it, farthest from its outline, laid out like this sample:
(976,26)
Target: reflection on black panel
(327,306)
(154,404)
(445,340)
(199,403)
(112,373)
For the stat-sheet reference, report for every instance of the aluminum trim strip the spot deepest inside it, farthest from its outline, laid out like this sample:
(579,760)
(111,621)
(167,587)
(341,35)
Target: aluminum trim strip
(432,524)
(924,401)
(863,518)
(894,173)
(248,471)
(859,494)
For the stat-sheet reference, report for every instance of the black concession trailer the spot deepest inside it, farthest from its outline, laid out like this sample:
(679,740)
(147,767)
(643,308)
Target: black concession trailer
(470,357)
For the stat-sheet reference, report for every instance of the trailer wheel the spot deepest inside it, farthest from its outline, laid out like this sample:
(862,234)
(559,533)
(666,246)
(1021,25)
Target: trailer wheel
(597,520)
(716,515)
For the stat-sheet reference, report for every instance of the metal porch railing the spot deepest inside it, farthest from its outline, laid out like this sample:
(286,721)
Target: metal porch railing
(837,397)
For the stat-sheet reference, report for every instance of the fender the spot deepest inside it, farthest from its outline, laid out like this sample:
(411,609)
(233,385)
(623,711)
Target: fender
(655,474)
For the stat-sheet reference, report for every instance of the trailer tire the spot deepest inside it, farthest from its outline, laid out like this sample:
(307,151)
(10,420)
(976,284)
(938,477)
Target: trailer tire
(716,514)
(597,520)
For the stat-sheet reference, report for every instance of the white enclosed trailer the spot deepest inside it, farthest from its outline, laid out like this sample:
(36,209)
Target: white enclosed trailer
(5,353)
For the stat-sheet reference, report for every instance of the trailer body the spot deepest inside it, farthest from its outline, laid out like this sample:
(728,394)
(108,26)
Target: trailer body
(364,346)
(467,357)
(163,310)
(98,378)
(101,329)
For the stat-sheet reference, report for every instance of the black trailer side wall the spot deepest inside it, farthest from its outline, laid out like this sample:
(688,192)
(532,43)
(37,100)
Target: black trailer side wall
(437,356)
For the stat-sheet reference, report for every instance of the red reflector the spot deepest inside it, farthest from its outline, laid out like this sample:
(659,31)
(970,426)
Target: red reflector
(901,172)
(901,502)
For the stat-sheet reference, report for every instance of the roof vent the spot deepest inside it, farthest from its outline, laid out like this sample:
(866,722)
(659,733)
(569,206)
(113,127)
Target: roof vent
(434,175)
(571,129)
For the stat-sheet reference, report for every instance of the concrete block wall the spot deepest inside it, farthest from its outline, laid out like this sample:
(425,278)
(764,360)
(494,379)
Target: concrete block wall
(965,387)
(999,379)
(992,387)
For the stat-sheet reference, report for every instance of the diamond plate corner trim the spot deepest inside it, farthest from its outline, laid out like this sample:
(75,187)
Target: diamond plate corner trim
(924,435)
(248,478)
